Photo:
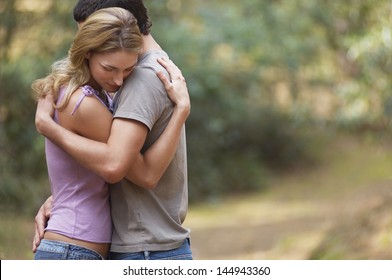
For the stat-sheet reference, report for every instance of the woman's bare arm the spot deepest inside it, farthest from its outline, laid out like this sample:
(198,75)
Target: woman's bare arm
(147,169)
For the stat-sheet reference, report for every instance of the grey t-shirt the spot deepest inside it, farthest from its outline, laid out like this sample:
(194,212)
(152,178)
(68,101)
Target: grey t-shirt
(149,220)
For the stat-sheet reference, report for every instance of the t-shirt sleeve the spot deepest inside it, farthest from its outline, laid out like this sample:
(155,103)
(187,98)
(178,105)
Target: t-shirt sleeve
(143,97)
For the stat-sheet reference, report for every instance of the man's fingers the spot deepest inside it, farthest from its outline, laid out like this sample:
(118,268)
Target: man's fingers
(47,99)
(36,240)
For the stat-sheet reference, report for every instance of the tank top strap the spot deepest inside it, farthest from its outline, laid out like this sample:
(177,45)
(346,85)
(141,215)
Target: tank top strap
(89,91)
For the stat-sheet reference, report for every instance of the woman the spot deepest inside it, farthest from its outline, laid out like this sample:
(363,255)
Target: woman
(104,53)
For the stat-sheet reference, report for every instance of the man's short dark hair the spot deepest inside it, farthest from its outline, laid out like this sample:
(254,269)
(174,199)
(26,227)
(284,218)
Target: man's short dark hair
(84,8)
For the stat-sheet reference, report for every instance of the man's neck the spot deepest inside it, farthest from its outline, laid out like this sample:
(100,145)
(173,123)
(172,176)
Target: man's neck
(149,44)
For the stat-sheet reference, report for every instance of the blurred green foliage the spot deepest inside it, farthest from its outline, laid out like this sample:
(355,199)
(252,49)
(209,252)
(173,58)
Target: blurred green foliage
(263,77)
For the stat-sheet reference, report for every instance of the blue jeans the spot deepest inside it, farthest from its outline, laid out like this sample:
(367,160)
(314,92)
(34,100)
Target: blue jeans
(182,253)
(57,250)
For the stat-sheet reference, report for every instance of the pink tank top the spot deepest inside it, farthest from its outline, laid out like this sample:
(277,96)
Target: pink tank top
(81,208)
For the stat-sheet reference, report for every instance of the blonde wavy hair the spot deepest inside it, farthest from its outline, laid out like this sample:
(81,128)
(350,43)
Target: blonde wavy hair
(106,30)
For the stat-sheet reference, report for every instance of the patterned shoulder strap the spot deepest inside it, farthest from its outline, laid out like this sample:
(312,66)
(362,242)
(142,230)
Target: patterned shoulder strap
(88,91)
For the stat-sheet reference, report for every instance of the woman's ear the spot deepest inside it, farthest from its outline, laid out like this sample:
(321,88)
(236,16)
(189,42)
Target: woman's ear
(88,55)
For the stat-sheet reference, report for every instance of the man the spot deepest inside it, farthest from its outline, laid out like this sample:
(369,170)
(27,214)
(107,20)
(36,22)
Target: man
(147,223)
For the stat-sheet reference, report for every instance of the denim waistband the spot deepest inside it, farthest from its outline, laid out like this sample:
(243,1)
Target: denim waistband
(61,247)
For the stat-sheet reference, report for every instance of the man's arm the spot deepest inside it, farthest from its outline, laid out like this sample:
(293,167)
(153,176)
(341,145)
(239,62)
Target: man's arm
(41,220)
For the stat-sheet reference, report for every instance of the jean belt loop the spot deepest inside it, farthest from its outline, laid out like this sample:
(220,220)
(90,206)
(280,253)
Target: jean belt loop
(66,251)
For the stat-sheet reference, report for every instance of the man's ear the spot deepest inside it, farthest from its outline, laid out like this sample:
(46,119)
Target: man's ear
(80,23)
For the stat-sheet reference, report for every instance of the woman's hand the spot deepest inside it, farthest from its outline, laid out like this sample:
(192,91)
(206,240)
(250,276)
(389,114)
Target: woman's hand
(176,87)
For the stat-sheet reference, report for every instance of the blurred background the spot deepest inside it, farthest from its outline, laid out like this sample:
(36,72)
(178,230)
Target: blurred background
(289,136)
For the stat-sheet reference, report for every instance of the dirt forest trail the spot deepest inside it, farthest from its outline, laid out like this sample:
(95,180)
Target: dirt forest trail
(285,229)
(338,211)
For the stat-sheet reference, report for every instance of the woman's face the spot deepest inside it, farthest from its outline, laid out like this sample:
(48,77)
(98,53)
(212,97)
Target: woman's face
(110,69)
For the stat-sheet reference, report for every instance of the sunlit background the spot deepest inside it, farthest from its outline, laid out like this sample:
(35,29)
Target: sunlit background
(289,138)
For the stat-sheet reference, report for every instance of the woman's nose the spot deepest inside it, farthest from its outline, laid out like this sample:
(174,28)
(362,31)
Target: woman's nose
(118,79)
